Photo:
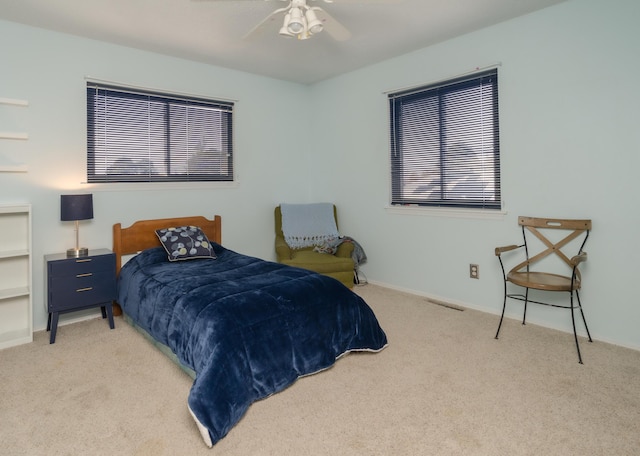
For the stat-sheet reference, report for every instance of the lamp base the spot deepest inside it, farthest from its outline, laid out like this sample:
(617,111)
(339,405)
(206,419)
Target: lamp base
(79,252)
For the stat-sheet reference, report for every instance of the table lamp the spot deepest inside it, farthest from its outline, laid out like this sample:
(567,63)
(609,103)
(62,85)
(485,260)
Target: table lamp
(75,208)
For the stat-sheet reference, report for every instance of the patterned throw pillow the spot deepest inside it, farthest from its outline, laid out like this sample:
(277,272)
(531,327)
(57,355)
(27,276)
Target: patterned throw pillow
(185,243)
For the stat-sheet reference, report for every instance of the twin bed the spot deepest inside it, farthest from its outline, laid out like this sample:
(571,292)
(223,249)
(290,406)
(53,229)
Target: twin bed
(242,327)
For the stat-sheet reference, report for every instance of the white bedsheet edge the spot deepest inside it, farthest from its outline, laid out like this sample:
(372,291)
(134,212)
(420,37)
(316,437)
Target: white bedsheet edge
(203,430)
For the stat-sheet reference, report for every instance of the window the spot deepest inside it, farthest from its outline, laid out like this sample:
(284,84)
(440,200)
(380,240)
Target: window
(140,136)
(445,144)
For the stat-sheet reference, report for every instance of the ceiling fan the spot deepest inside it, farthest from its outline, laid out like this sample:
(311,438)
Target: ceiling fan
(302,21)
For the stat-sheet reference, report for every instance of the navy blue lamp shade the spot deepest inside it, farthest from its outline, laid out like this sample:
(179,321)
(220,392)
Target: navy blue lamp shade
(74,208)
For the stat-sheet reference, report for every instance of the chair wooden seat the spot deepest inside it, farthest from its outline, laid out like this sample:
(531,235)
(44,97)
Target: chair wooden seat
(528,273)
(543,281)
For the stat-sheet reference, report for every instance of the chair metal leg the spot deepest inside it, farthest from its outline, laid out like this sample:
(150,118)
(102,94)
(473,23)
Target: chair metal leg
(504,306)
(583,319)
(575,334)
(526,300)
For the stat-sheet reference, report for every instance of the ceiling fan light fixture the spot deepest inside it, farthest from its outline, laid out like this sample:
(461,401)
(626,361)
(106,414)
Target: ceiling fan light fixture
(313,23)
(284,31)
(296,22)
(304,35)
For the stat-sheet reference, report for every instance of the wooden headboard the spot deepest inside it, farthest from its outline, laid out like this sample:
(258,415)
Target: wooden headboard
(141,235)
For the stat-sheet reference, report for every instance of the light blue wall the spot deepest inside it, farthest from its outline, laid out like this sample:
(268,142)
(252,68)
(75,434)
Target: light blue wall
(49,69)
(569,139)
(570,147)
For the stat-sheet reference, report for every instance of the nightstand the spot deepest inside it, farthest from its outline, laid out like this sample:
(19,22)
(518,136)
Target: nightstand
(77,283)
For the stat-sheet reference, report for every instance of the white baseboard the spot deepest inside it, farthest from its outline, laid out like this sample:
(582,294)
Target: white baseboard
(533,321)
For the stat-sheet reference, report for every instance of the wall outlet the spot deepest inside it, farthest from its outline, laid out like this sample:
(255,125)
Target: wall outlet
(474,271)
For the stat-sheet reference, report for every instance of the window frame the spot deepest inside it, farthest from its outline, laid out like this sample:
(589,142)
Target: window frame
(176,109)
(430,157)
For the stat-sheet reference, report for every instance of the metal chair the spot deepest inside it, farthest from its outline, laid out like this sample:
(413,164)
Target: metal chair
(571,233)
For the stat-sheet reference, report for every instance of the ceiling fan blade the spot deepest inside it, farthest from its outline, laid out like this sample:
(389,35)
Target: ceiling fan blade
(202,1)
(362,1)
(264,22)
(334,28)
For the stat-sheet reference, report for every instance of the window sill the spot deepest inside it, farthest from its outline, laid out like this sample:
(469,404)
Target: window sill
(488,214)
(146,186)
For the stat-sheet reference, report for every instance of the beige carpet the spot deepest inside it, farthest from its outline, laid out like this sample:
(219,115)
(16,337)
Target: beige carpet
(444,386)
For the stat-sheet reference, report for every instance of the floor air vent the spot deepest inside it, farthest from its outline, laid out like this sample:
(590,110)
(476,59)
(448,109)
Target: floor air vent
(446,304)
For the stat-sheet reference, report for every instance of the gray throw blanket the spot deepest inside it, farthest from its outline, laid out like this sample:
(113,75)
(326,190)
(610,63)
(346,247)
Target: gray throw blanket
(331,246)
(306,225)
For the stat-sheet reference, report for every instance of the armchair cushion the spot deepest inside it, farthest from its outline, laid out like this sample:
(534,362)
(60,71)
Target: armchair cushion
(319,262)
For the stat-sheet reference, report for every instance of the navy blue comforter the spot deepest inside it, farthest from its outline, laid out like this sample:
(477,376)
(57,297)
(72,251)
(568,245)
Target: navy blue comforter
(247,327)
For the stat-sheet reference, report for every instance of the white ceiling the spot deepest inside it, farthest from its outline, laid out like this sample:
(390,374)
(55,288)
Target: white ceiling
(212,31)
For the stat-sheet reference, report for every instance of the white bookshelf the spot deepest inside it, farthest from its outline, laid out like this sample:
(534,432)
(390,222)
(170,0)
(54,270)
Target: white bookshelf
(20,168)
(13,135)
(16,305)
(13,102)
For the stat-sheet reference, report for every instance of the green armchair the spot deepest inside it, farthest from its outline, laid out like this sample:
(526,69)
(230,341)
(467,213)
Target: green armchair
(340,265)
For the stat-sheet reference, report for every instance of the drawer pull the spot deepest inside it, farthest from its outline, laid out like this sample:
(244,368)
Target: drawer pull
(88,274)
(84,289)
(84,260)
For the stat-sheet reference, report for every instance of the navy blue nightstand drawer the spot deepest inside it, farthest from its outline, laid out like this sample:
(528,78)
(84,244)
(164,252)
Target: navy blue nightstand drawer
(72,292)
(80,266)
